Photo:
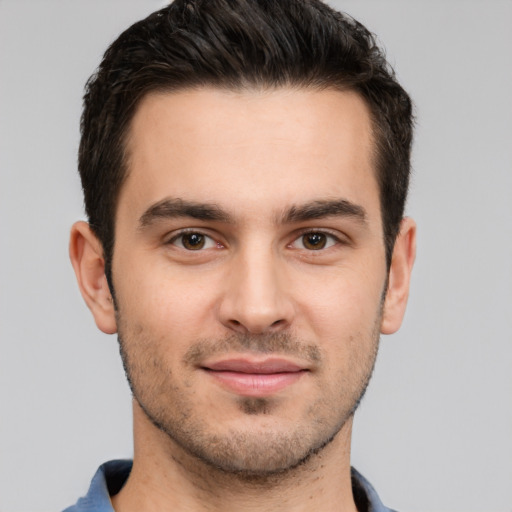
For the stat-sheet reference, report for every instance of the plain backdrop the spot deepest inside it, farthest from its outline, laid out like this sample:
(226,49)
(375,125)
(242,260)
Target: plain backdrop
(434,431)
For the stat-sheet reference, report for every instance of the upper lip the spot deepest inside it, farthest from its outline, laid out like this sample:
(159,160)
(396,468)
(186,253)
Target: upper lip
(244,365)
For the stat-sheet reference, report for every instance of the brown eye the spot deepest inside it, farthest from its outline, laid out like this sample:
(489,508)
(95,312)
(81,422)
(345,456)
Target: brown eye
(314,241)
(193,241)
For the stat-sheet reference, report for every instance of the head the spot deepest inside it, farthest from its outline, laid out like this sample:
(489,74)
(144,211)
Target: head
(239,46)
(245,168)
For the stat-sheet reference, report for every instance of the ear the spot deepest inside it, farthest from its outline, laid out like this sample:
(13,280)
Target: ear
(402,262)
(86,254)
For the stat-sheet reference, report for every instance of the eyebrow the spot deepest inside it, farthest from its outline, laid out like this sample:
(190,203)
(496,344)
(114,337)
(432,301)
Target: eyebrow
(173,208)
(324,208)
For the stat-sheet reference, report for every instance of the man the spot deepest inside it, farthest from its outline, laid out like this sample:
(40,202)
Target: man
(245,167)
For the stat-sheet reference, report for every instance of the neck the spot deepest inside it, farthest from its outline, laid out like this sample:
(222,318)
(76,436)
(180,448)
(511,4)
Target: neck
(167,478)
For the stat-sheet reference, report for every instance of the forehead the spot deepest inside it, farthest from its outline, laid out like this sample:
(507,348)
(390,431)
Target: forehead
(257,148)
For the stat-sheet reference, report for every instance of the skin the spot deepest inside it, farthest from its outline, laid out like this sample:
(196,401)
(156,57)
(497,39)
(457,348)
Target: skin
(292,267)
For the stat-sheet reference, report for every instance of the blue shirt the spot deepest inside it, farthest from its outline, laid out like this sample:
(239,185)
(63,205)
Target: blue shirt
(111,476)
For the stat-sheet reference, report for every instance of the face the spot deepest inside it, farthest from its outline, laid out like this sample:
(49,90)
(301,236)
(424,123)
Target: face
(249,271)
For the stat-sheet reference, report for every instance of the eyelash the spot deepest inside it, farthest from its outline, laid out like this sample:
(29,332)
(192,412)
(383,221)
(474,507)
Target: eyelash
(185,232)
(327,234)
(334,239)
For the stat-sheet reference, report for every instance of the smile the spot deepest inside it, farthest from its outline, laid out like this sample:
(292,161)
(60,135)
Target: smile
(254,378)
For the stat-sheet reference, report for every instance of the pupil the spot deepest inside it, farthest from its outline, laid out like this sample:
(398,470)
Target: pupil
(314,241)
(193,241)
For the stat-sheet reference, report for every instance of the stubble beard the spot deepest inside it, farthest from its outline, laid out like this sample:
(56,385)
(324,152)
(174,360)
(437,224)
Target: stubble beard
(260,455)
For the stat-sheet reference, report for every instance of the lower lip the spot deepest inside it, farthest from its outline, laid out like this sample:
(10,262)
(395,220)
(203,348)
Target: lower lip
(255,384)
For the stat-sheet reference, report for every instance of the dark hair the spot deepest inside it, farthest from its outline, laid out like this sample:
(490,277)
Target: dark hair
(239,44)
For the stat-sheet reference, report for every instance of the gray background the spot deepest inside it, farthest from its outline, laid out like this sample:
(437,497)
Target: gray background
(434,431)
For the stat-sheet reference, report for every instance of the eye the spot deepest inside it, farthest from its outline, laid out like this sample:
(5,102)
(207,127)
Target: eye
(315,241)
(193,241)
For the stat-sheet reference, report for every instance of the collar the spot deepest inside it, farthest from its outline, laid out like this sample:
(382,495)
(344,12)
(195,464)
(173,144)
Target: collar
(111,476)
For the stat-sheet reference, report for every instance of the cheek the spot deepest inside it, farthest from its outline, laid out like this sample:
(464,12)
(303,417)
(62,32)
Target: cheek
(342,305)
(170,306)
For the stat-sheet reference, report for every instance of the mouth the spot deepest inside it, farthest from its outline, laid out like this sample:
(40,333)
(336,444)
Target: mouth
(254,378)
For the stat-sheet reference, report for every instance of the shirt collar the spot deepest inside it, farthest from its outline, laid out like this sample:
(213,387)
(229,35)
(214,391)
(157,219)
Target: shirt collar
(111,476)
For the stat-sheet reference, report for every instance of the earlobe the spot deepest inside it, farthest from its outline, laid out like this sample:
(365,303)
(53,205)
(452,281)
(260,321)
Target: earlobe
(86,254)
(400,270)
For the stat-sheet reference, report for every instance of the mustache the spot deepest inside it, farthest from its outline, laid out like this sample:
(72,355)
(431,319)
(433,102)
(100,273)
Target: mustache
(268,343)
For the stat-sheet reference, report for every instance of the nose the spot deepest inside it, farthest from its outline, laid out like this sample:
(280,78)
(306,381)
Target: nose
(256,298)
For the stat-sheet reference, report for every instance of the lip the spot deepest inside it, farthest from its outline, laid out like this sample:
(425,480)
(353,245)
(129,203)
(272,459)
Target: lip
(254,378)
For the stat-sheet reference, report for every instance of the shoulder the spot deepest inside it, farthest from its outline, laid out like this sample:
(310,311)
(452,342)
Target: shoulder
(107,481)
(365,496)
